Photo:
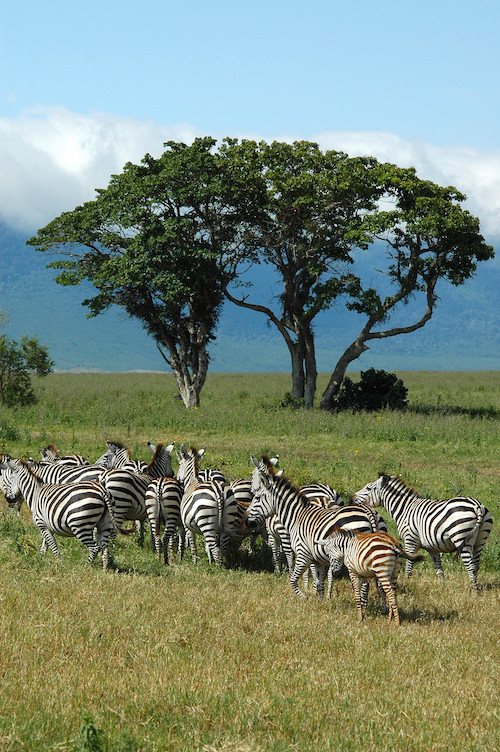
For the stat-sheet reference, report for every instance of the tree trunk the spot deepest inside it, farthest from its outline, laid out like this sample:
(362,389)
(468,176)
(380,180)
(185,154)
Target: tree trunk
(298,378)
(311,372)
(353,351)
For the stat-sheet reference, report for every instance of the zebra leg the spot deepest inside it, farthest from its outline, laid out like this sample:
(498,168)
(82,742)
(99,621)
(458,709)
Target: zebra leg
(391,597)
(211,547)
(470,564)
(301,565)
(192,545)
(438,564)
(411,547)
(49,541)
(357,594)
(319,580)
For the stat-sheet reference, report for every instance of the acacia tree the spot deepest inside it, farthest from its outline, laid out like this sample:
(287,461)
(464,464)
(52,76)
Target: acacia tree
(428,237)
(152,243)
(314,214)
(322,207)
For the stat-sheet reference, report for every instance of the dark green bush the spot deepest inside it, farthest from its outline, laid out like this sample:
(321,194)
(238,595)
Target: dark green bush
(375,390)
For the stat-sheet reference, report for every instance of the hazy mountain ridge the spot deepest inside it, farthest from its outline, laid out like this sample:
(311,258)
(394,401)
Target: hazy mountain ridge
(462,335)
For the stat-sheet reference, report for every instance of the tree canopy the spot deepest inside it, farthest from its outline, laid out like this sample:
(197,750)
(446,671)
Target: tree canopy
(168,240)
(18,362)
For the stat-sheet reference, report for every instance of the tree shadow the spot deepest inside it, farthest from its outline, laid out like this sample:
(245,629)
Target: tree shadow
(469,412)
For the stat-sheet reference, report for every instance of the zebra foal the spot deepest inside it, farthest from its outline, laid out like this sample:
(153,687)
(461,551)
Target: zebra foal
(460,524)
(368,556)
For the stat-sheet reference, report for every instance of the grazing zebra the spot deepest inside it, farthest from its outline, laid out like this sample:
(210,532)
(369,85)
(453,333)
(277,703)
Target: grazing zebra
(52,454)
(163,506)
(368,556)
(71,509)
(460,524)
(208,508)
(304,521)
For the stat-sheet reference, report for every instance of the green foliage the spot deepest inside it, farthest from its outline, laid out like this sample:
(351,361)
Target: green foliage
(89,738)
(18,361)
(376,390)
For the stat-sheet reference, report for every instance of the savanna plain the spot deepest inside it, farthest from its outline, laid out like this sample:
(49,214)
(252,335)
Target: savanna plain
(226,659)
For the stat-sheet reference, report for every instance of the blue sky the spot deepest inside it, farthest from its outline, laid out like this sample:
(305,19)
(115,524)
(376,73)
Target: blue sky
(85,87)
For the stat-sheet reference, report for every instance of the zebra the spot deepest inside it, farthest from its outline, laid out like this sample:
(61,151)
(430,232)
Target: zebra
(163,505)
(52,454)
(71,509)
(159,466)
(208,508)
(322,491)
(460,524)
(367,556)
(304,521)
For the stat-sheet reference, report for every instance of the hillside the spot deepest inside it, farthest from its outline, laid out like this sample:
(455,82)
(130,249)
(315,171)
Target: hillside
(463,335)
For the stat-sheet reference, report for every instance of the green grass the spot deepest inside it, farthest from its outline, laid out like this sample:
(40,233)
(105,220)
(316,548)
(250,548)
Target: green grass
(227,659)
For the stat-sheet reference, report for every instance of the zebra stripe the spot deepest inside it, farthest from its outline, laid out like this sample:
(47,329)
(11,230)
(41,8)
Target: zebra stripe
(322,491)
(52,454)
(65,509)
(304,521)
(163,506)
(368,556)
(208,508)
(460,524)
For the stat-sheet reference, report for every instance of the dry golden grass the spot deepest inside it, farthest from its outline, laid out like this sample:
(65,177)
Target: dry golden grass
(229,660)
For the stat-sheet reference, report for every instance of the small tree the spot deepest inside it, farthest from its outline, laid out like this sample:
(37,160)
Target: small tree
(18,362)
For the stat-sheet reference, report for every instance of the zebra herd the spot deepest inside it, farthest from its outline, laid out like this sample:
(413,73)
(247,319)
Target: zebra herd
(308,529)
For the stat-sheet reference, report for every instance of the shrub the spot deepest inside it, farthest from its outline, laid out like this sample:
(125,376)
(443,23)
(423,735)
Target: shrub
(375,390)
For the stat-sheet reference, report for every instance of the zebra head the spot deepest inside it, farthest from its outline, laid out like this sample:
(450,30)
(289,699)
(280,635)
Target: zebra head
(188,463)
(262,505)
(9,483)
(371,493)
(334,546)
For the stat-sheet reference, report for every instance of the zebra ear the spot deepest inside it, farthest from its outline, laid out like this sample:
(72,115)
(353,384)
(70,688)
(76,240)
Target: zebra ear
(169,448)
(255,461)
(384,478)
(200,453)
(278,473)
(274,460)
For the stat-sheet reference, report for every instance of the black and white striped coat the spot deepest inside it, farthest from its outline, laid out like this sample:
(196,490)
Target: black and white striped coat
(163,506)
(70,509)
(208,508)
(460,524)
(304,521)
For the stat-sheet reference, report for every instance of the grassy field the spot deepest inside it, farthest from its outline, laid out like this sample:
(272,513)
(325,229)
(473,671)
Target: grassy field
(227,659)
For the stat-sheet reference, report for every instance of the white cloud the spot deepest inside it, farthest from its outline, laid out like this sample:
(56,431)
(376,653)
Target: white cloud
(475,173)
(52,159)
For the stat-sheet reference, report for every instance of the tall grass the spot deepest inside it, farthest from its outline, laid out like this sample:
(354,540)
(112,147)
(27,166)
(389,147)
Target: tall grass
(226,659)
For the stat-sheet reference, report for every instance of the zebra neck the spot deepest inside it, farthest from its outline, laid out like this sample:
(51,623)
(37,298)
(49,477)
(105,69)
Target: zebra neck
(286,502)
(397,498)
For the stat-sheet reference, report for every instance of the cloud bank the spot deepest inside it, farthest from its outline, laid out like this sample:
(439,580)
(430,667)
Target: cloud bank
(52,159)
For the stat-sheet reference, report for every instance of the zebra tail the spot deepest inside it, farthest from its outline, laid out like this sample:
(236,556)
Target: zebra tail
(480,513)
(158,499)
(116,527)
(410,557)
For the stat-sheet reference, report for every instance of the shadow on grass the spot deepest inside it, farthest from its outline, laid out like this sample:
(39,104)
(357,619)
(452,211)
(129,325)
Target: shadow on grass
(427,616)
(441,410)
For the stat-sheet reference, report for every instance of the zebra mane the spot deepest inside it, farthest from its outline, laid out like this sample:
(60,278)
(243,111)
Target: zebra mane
(156,454)
(398,482)
(51,448)
(284,481)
